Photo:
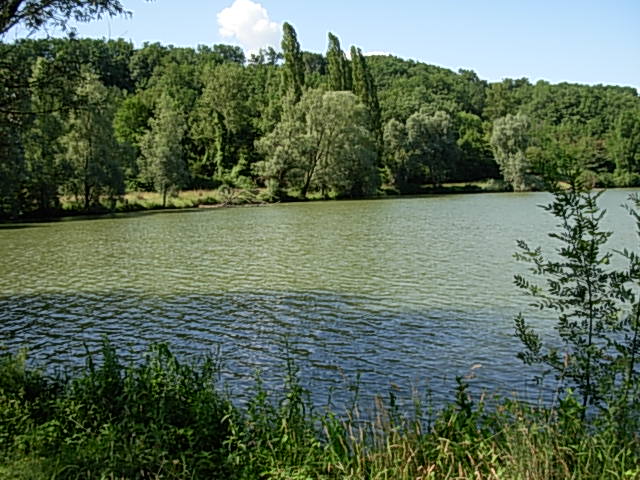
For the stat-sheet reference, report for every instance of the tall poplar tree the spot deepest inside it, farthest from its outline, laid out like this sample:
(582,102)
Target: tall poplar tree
(339,70)
(293,72)
(365,89)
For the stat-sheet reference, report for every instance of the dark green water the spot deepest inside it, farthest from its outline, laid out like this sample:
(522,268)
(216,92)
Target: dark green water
(403,292)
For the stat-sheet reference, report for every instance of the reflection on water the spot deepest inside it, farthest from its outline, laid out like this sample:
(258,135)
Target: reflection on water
(406,292)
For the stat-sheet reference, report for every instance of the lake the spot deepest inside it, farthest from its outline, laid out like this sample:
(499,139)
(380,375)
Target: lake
(397,293)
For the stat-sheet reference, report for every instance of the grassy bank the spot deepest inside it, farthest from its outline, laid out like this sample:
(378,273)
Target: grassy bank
(165,419)
(136,201)
(226,196)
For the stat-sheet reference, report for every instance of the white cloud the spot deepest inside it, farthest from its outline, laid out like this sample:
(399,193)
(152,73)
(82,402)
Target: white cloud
(248,22)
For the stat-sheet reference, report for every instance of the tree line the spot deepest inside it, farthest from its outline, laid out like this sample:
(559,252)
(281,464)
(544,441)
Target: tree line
(87,120)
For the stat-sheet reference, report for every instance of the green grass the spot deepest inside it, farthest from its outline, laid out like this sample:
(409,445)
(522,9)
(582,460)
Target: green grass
(227,196)
(163,419)
(135,201)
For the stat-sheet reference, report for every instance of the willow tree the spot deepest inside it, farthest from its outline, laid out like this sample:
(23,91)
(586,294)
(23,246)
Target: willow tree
(90,154)
(398,158)
(322,144)
(432,142)
(509,141)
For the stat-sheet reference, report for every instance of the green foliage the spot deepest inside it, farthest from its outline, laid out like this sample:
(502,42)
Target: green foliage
(399,162)
(506,97)
(597,341)
(35,15)
(162,161)
(221,123)
(364,87)
(432,142)
(90,154)
(424,148)
(339,70)
(161,418)
(509,140)
(230,107)
(321,144)
(293,70)
(623,141)
(475,158)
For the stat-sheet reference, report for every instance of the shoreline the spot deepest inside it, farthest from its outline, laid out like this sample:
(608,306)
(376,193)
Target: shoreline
(136,207)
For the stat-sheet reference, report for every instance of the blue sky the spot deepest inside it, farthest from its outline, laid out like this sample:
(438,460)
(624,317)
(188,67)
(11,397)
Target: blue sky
(582,41)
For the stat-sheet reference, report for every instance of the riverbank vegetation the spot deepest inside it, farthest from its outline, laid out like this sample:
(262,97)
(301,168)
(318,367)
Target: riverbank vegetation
(91,120)
(82,119)
(161,418)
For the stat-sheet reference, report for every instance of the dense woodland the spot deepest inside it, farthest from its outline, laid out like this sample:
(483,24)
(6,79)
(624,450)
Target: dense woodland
(86,120)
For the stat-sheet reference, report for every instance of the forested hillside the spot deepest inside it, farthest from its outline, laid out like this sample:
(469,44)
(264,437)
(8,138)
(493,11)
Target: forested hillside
(86,120)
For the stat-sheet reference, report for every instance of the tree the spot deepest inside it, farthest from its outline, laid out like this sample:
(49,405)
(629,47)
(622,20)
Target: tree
(144,62)
(476,158)
(280,168)
(221,124)
(41,144)
(509,141)
(364,88)
(432,142)
(345,149)
(321,144)
(397,154)
(162,161)
(563,152)
(12,167)
(14,69)
(471,91)
(339,70)
(90,153)
(229,53)
(14,86)
(598,343)
(130,123)
(36,14)
(623,143)
(265,56)
(506,97)
(293,70)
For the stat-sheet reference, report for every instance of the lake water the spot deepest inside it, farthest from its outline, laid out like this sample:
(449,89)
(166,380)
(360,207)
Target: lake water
(400,293)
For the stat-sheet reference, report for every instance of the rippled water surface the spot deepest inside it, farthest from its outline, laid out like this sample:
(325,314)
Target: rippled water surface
(402,292)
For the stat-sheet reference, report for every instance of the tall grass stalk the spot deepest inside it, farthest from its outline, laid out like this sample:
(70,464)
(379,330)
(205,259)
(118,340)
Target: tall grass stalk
(163,419)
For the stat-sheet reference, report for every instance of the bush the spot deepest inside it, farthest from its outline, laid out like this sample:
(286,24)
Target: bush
(598,340)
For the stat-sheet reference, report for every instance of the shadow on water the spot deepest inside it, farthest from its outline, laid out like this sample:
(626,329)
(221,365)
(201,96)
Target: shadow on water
(333,338)
(83,217)
(125,215)
(9,226)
